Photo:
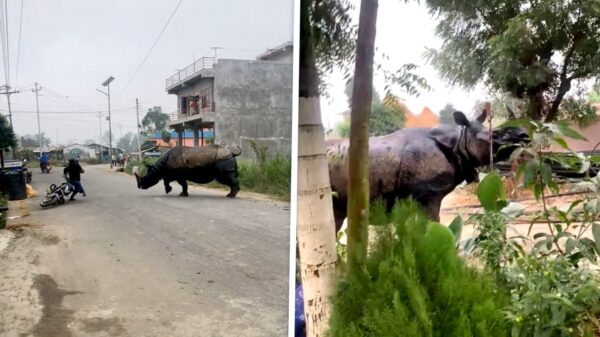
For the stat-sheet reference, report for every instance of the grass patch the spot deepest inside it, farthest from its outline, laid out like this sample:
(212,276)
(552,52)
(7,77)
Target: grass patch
(141,164)
(269,176)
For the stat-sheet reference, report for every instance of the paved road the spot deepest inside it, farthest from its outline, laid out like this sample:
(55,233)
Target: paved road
(139,263)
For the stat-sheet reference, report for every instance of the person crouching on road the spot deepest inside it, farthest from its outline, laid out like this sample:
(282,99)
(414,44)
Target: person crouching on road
(74,171)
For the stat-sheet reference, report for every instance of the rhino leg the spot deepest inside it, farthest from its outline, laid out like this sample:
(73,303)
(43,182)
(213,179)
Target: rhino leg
(184,188)
(168,187)
(340,212)
(432,208)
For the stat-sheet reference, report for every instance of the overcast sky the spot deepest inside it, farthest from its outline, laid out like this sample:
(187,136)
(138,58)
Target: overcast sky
(71,46)
(403,33)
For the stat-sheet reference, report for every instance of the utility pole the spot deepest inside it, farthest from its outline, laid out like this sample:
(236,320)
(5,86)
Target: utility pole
(215,50)
(37,105)
(100,123)
(7,92)
(107,84)
(137,112)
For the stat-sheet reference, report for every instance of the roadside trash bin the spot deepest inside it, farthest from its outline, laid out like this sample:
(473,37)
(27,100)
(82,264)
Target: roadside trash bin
(13,184)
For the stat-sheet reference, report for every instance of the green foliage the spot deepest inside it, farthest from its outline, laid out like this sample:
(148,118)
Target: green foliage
(510,46)
(166,136)
(343,129)
(552,292)
(415,284)
(154,121)
(551,297)
(7,136)
(386,116)
(29,141)
(268,175)
(142,169)
(594,94)
(128,142)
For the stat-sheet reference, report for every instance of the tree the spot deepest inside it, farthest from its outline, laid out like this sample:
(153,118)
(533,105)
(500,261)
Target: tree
(34,140)
(326,39)
(166,136)
(446,116)
(533,50)
(154,121)
(594,94)
(386,116)
(358,152)
(128,142)
(8,139)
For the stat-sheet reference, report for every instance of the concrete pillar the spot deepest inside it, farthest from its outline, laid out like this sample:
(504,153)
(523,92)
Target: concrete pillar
(180,136)
(196,140)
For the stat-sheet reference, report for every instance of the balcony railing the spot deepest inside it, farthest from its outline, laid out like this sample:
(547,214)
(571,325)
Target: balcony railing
(203,63)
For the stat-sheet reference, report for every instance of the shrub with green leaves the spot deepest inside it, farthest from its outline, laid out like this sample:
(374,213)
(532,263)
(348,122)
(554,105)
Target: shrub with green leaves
(415,284)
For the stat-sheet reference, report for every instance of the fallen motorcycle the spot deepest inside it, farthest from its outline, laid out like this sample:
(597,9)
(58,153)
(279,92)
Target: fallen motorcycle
(57,194)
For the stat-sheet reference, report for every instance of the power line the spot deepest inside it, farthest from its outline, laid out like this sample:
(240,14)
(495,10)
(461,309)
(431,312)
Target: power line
(4,41)
(19,44)
(151,48)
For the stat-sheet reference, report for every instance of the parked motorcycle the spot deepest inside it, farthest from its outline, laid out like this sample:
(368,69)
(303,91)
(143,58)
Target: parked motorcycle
(57,194)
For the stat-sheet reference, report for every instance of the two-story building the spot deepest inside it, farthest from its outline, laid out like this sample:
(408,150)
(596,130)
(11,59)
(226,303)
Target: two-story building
(239,101)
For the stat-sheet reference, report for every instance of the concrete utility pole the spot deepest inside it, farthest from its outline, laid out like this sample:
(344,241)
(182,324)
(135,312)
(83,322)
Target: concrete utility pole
(37,105)
(7,92)
(110,149)
(139,146)
(100,124)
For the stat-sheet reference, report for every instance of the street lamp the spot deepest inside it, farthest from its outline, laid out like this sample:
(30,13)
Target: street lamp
(107,85)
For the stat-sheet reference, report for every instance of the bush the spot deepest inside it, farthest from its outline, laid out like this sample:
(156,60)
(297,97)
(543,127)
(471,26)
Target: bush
(270,176)
(415,284)
(141,164)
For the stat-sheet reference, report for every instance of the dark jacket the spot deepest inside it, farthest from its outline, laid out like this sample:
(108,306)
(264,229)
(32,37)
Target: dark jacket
(74,170)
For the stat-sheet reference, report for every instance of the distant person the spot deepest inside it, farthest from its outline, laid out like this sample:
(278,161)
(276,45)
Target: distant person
(44,163)
(74,171)
(121,159)
(114,159)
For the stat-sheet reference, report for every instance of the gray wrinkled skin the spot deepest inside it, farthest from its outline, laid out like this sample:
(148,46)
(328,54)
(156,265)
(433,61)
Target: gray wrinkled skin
(425,163)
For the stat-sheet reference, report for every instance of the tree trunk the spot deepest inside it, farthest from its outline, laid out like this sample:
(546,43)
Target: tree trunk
(358,152)
(315,225)
(535,110)
(565,86)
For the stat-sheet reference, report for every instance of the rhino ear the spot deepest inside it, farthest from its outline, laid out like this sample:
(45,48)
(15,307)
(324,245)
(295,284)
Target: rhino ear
(482,116)
(461,119)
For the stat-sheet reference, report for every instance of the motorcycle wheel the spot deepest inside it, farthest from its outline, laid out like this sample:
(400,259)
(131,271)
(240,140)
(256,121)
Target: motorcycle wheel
(61,201)
(49,200)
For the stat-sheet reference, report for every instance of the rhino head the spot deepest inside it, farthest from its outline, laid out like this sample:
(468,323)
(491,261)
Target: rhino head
(150,179)
(477,140)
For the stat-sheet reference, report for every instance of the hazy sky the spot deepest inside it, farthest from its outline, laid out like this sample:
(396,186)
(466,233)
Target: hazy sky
(71,46)
(403,33)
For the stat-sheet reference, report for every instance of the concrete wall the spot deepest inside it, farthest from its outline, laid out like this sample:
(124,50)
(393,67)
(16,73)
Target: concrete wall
(253,101)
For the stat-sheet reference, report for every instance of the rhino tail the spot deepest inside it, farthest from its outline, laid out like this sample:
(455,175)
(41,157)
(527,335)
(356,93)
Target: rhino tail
(235,150)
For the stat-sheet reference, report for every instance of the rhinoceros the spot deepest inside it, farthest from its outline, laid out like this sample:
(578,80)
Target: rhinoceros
(197,164)
(425,163)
